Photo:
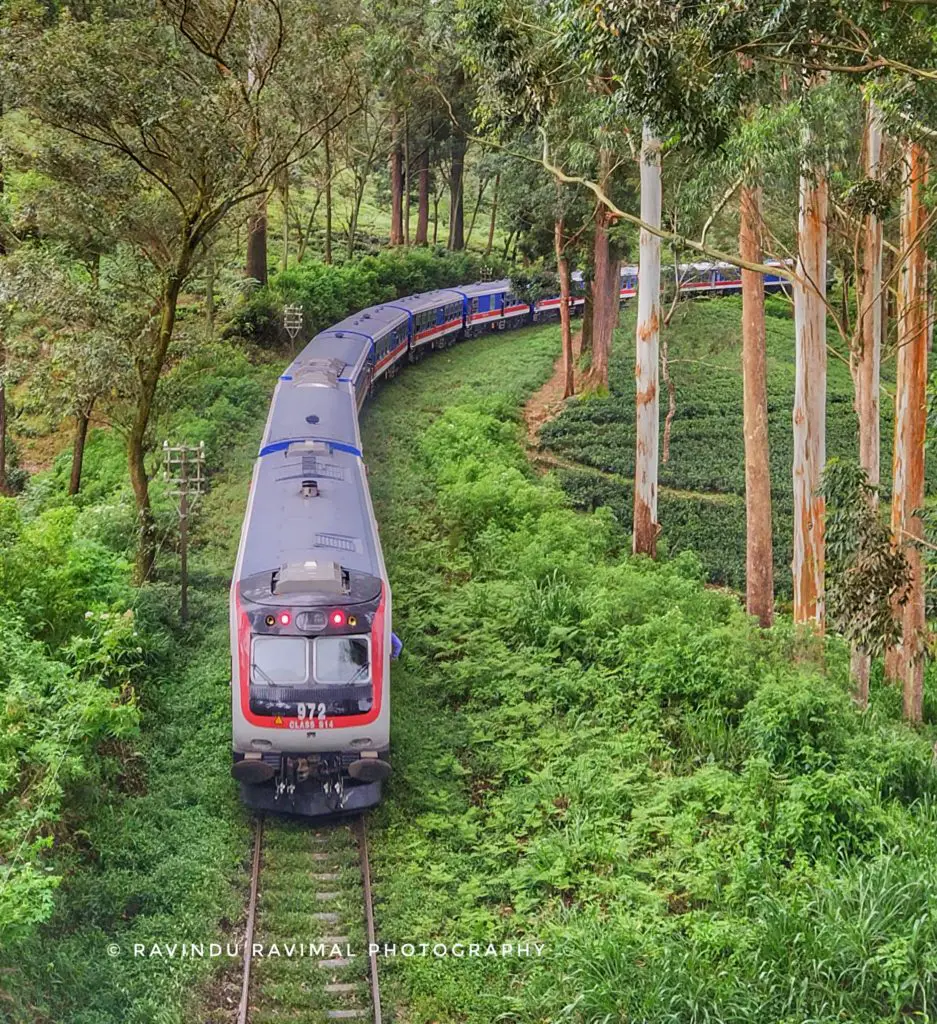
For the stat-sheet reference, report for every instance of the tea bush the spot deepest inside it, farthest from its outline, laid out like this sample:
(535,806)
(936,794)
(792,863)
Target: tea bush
(701,500)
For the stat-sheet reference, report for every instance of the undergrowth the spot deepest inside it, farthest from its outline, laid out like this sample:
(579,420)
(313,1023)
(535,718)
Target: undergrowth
(603,754)
(118,820)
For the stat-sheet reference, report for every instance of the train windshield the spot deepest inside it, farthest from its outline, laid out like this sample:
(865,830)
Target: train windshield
(280,659)
(342,659)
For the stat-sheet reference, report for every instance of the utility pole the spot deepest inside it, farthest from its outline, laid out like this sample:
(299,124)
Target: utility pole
(293,321)
(184,470)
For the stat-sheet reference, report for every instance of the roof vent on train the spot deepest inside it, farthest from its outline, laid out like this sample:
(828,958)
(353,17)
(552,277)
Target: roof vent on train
(308,447)
(310,577)
(319,373)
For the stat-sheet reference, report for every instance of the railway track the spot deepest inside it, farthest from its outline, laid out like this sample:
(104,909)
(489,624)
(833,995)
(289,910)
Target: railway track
(309,925)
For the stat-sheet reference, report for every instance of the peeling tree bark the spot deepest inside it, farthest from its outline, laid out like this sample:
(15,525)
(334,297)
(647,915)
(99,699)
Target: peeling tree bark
(759,556)
(869,356)
(868,361)
(911,424)
(810,399)
(647,353)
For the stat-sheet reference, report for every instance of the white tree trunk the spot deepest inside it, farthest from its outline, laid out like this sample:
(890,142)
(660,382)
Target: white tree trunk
(647,345)
(868,359)
(810,399)
(911,423)
(871,306)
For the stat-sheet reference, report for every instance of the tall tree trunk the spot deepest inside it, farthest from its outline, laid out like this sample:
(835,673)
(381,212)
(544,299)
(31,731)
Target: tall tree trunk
(604,286)
(285,196)
(648,355)
(4,480)
(436,199)
(355,211)
(869,356)
(809,420)
(328,195)
(406,179)
(601,304)
(396,184)
(482,185)
(868,360)
(210,292)
(562,272)
(759,558)
(911,423)
(494,214)
(82,420)
(257,243)
(588,318)
(149,370)
(456,190)
(422,215)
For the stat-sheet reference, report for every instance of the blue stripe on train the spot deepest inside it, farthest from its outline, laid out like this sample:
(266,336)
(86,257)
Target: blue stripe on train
(281,446)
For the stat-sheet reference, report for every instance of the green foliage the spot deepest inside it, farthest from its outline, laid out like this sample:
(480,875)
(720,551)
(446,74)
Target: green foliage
(117,817)
(68,668)
(604,753)
(866,575)
(330,292)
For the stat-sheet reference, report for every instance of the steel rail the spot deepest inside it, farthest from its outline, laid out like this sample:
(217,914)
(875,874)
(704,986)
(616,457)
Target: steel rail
(249,930)
(369,916)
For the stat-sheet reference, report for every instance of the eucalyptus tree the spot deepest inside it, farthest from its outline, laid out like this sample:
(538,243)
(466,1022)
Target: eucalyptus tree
(182,135)
(911,422)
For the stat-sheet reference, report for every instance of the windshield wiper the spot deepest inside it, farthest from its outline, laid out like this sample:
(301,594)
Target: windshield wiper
(256,668)
(363,668)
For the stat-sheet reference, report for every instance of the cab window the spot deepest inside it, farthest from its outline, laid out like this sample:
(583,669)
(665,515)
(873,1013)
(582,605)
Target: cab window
(280,660)
(342,659)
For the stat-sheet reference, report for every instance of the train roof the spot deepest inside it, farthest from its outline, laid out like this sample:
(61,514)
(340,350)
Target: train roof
(312,403)
(287,528)
(351,349)
(486,288)
(429,300)
(371,323)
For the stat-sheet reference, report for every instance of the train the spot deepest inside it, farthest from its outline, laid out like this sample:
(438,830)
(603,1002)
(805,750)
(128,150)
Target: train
(310,601)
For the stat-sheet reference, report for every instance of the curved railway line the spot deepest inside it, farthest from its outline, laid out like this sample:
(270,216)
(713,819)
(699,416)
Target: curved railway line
(310,926)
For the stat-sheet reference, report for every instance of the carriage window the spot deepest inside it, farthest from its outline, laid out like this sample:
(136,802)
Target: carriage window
(280,660)
(342,659)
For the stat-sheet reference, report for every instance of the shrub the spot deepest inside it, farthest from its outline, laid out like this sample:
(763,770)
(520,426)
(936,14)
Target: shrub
(330,292)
